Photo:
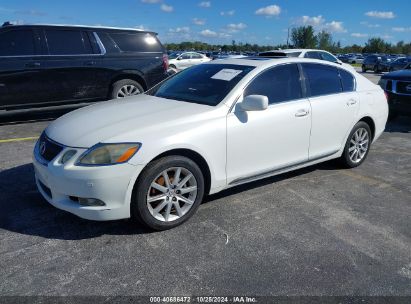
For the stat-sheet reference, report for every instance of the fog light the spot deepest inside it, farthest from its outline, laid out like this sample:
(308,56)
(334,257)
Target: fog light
(90,202)
(67,156)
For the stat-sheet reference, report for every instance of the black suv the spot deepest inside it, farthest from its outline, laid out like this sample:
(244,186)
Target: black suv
(48,65)
(371,63)
(397,86)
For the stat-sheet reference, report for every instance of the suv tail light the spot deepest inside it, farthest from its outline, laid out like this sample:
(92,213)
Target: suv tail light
(165,62)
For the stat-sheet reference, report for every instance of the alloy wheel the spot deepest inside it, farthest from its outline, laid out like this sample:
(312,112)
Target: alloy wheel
(172,194)
(128,90)
(359,144)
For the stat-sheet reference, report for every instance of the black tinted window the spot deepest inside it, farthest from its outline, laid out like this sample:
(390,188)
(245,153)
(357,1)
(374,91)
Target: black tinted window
(279,84)
(313,55)
(328,57)
(68,42)
(108,43)
(206,84)
(348,81)
(136,42)
(17,43)
(322,79)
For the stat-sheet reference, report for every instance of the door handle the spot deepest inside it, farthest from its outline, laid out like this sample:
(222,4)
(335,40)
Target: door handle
(351,102)
(302,113)
(89,63)
(33,64)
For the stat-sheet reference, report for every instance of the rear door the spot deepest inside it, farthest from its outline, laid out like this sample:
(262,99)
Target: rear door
(334,107)
(71,65)
(21,72)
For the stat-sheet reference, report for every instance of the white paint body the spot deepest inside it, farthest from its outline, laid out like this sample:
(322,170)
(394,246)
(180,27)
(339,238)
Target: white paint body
(238,146)
(188,59)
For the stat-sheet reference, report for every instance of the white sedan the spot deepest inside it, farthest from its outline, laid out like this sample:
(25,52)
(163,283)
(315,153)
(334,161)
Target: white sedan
(154,156)
(181,61)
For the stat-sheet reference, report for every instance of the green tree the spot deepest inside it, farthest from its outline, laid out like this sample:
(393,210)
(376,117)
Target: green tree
(325,41)
(375,45)
(304,37)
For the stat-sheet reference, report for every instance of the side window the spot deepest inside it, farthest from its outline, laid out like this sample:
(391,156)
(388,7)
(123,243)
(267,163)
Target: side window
(279,84)
(327,57)
(312,55)
(348,81)
(293,54)
(68,42)
(185,56)
(136,42)
(322,79)
(108,43)
(17,43)
(196,56)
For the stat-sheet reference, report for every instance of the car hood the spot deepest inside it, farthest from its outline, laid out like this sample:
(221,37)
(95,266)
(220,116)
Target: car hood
(123,120)
(398,75)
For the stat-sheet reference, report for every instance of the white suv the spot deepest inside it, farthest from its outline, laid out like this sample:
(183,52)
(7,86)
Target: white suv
(217,125)
(181,61)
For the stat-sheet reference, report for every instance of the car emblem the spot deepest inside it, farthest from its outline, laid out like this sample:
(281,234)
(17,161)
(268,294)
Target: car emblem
(408,88)
(42,148)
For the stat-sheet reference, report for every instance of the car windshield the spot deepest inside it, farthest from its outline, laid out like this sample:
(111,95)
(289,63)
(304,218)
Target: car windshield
(206,84)
(173,55)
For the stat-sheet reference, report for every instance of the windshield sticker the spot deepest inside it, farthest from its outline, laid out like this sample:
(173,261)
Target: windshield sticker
(226,74)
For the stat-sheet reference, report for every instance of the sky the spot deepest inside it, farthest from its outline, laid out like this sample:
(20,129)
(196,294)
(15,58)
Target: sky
(253,21)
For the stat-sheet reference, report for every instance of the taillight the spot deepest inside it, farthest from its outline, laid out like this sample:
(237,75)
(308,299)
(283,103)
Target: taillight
(165,62)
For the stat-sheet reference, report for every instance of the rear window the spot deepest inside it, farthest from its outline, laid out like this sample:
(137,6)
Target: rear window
(17,43)
(322,79)
(68,42)
(136,42)
(206,84)
(348,81)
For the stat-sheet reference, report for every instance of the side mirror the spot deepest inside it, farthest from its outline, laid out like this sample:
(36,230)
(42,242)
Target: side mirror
(339,61)
(178,58)
(254,103)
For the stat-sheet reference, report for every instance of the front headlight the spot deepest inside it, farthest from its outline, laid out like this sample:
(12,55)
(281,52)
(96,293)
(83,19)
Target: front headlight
(108,154)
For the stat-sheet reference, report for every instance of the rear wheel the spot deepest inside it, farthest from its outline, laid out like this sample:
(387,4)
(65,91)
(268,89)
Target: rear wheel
(363,69)
(168,193)
(125,87)
(357,146)
(376,70)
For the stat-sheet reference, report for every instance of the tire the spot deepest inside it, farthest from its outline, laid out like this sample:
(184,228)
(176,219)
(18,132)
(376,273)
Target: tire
(376,69)
(363,69)
(125,87)
(157,214)
(172,66)
(348,157)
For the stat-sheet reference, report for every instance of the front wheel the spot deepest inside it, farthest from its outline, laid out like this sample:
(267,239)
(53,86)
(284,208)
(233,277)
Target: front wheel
(357,146)
(168,192)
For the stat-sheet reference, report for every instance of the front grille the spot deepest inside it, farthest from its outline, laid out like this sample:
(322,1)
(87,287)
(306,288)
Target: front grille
(402,87)
(47,148)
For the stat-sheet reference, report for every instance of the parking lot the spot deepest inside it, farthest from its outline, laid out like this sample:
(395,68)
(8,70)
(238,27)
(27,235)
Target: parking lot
(322,230)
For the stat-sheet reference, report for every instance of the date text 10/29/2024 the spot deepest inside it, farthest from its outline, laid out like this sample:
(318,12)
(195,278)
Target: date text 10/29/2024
(233,299)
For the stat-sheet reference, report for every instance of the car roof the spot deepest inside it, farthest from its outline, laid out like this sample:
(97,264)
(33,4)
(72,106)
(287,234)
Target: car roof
(76,26)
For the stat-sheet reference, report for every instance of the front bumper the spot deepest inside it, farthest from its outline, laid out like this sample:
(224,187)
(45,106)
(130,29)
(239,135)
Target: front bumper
(61,184)
(400,104)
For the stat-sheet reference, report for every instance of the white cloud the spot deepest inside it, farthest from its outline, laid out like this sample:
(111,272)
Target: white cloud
(386,37)
(335,27)
(314,21)
(381,15)
(228,13)
(183,29)
(235,27)
(199,21)
(205,4)
(166,8)
(151,1)
(370,25)
(401,29)
(271,10)
(208,33)
(141,27)
(319,23)
(359,35)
